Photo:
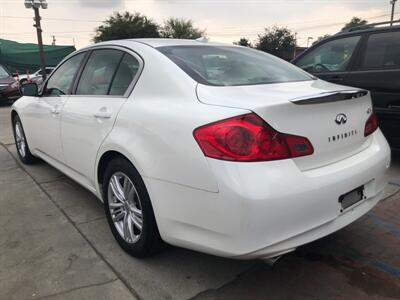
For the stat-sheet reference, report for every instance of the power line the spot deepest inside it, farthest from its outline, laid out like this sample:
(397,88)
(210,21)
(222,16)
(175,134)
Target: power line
(52,19)
(227,30)
(242,1)
(97,21)
(50,32)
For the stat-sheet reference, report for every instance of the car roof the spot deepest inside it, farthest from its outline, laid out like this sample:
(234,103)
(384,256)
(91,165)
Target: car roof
(154,43)
(366,29)
(162,42)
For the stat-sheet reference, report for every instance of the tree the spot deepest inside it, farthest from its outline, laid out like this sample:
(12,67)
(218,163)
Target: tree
(243,42)
(355,21)
(320,38)
(126,25)
(180,29)
(278,41)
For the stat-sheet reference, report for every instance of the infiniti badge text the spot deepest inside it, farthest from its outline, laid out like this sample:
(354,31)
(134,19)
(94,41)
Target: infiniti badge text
(342,136)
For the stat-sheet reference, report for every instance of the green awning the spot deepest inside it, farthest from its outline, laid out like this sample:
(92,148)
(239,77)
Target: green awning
(21,57)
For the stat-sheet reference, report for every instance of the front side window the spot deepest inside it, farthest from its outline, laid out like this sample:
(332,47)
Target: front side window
(333,56)
(383,51)
(229,66)
(60,83)
(99,72)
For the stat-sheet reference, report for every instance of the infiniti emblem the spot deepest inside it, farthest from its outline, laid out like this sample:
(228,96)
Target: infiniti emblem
(341,119)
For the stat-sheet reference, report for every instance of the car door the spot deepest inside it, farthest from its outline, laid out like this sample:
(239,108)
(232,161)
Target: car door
(331,60)
(44,113)
(378,70)
(89,115)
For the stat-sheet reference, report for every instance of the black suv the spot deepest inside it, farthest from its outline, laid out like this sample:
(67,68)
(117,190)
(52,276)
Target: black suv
(367,57)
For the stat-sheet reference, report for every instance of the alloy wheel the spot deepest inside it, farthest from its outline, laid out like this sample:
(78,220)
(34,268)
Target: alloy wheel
(20,139)
(125,207)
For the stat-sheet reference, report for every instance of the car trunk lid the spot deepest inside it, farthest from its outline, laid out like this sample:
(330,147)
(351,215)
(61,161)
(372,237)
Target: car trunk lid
(332,117)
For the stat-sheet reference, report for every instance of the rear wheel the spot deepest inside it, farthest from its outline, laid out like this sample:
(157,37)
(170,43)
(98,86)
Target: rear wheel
(21,143)
(128,209)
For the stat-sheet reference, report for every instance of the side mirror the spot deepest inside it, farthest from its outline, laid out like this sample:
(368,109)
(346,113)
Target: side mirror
(29,89)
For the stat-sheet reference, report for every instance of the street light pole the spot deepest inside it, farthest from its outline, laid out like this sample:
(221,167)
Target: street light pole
(36,4)
(393,2)
(40,42)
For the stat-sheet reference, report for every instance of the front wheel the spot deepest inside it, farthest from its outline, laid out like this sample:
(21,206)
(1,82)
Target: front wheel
(128,209)
(21,143)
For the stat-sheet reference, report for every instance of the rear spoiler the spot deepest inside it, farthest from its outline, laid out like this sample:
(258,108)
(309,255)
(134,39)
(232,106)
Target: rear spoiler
(330,97)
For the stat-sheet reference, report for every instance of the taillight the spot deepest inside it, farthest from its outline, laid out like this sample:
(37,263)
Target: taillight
(371,125)
(248,138)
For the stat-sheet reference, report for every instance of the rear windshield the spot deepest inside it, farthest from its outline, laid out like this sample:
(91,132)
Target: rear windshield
(228,65)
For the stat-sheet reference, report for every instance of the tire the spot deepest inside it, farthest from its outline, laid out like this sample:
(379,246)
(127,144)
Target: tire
(21,142)
(124,189)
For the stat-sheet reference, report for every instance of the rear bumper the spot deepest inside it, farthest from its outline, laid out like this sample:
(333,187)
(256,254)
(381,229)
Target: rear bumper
(267,209)
(316,233)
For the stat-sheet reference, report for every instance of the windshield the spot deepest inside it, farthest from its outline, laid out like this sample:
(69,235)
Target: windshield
(228,65)
(3,72)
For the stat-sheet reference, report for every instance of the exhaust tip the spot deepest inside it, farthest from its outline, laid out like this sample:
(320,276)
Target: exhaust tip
(272,260)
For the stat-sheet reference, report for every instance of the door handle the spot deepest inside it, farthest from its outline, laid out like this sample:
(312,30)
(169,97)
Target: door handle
(103,114)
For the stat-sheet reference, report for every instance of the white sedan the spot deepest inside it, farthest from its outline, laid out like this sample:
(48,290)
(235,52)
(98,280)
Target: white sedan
(36,76)
(217,148)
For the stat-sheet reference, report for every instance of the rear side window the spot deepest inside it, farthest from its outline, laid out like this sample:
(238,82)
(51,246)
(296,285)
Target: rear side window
(99,72)
(60,83)
(229,66)
(126,72)
(383,51)
(332,56)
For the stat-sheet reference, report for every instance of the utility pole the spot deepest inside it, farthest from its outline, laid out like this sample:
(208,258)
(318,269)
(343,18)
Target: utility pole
(40,42)
(36,4)
(295,45)
(393,3)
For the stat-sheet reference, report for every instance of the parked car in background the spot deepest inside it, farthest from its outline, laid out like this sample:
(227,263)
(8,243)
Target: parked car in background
(367,57)
(35,77)
(217,148)
(9,87)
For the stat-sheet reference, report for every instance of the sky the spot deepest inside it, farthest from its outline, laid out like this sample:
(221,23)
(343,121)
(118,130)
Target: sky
(74,21)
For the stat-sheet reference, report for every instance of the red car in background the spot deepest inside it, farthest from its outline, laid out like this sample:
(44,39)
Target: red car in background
(9,87)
